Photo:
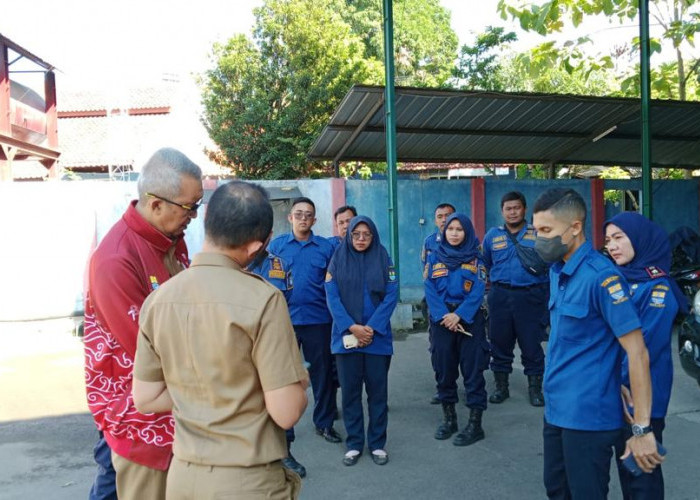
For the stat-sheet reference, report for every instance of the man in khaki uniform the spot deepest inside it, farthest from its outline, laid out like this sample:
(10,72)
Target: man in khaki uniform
(217,346)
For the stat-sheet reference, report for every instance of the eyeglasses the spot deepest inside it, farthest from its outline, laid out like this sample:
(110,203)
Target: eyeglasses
(361,235)
(303,215)
(187,207)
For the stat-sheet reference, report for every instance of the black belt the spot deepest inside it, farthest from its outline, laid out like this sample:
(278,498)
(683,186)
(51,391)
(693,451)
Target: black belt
(512,287)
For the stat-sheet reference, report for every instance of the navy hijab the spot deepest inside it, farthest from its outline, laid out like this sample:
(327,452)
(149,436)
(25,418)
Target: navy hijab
(454,256)
(651,249)
(353,270)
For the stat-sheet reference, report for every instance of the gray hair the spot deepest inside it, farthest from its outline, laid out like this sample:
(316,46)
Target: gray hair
(163,171)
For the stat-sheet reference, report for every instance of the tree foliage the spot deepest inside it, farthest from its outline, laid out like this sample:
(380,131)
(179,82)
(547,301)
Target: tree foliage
(480,65)
(266,99)
(679,21)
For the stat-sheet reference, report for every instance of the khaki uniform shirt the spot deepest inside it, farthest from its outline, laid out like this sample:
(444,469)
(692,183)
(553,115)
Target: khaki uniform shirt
(219,337)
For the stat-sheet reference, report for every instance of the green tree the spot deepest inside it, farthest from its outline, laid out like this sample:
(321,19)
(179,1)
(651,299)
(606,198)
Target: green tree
(679,21)
(425,46)
(480,65)
(266,99)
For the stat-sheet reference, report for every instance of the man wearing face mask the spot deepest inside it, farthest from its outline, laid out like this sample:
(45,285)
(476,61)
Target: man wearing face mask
(216,344)
(592,322)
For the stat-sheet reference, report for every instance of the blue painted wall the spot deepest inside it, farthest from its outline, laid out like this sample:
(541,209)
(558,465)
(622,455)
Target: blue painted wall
(675,204)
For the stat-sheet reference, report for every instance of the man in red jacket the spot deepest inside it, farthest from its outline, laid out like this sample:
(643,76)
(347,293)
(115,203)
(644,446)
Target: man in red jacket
(142,250)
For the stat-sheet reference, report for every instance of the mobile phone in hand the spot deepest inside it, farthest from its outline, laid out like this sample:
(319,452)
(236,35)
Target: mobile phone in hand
(631,464)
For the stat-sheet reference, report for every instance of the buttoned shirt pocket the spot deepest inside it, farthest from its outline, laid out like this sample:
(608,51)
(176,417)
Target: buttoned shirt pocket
(571,322)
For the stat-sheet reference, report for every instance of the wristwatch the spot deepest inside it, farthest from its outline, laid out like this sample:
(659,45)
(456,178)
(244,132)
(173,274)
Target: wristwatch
(638,430)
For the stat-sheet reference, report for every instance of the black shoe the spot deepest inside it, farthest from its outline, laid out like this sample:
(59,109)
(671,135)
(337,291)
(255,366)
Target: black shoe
(329,435)
(435,400)
(448,426)
(290,463)
(351,460)
(380,459)
(534,390)
(501,393)
(472,432)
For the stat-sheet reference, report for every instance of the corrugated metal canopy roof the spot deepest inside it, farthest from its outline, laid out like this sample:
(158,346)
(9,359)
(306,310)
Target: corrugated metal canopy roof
(457,126)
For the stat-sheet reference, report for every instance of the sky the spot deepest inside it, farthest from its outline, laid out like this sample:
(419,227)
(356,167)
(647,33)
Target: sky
(112,42)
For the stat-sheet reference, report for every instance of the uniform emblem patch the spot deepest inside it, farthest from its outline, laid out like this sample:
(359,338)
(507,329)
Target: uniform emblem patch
(658,297)
(154,282)
(654,272)
(329,277)
(482,273)
(439,265)
(609,280)
(468,285)
(498,238)
(392,274)
(439,273)
(500,246)
(276,264)
(470,267)
(276,273)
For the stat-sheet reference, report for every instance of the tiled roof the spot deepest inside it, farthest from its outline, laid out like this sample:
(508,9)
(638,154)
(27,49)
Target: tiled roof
(159,96)
(103,141)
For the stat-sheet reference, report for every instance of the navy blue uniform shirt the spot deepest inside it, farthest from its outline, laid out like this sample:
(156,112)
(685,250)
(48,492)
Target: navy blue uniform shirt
(501,257)
(430,245)
(657,308)
(377,317)
(590,308)
(464,286)
(275,271)
(308,261)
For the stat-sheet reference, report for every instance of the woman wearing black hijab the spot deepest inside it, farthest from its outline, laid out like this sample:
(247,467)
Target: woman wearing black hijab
(361,292)
(454,290)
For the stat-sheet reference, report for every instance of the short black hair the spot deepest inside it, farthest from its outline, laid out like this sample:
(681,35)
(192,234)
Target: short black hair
(445,205)
(238,212)
(345,208)
(513,196)
(303,199)
(562,201)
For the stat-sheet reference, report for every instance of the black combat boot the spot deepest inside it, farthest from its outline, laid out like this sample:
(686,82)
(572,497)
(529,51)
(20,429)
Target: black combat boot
(449,423)
(291,463)
(501,393)
(472,432)
(534,388)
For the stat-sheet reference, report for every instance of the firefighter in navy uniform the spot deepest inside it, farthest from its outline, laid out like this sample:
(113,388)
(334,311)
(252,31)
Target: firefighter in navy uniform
(517,301)
(455,280)
(430,244)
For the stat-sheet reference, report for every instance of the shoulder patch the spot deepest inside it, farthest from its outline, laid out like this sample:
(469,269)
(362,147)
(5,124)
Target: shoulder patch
(471,266)
(609,280)
(500,246)
(329,277)
(276,274)
(482,272)
(439,272)
(392,274)
(496,239)
(439,265)
(468,285)
(658,296)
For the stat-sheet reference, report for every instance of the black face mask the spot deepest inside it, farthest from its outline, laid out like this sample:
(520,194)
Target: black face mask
(552,249)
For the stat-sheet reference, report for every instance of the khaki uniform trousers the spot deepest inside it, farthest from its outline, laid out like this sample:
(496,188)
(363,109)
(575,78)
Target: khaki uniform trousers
(136,481)
(189,481)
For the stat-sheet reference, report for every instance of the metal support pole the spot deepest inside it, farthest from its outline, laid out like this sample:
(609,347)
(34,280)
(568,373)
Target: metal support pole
(390,125)
(646,95)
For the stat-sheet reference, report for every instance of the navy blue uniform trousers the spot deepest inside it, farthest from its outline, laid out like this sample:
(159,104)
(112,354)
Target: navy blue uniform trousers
(372,370)
(454,352)
(315,343)
(105,485)
(646,486)
(518,313)
(577,463)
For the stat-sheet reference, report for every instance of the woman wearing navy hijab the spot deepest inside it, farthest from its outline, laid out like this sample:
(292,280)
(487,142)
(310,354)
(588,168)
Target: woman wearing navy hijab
(642,252)
(454,278)
(361,292)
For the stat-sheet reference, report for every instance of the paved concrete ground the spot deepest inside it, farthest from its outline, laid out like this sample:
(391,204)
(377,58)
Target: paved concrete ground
(46,436)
